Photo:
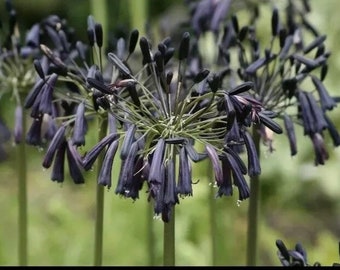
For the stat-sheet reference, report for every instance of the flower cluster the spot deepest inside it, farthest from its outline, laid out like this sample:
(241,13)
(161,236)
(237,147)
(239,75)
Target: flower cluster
(160,112)
(295,257)
(17,74)
(166,108)
(287,71)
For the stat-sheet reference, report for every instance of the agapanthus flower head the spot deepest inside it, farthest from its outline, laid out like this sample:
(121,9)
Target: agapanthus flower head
(162,106)
(17,74)
(165,119)
(162,109)
(58,100)
(287,71)
(25,73)
(294,257)
(207,15)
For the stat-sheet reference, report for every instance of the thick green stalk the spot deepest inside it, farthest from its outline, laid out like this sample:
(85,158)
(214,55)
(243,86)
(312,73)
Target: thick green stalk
(254,200)
(22,197)
(137,18)
(169,230)
(138,14)
(213,220)
(98,246)
(169,241)
(150,236)
(99,10)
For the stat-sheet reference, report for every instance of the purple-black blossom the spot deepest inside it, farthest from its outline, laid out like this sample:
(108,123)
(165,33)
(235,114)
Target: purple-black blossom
(162,108)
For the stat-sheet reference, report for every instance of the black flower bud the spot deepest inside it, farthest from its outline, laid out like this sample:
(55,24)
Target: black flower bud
(133,40)
(214,82)
(201,75)
(91,37)
(98,29)
(234,21)
(159,59)
(184,46)
(275,22)
(169,76)
(145,48)
(39,69)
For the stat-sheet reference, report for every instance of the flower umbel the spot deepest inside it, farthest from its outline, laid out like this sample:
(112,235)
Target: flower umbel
(161,112)
(288,75)
(296,256)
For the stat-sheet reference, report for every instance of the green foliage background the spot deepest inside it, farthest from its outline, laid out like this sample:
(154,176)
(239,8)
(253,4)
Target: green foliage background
(300,202)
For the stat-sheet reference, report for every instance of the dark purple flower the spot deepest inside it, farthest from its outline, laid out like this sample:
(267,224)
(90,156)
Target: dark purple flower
(59,163)
(321,154)
(327,103)
(213,156)
(33,136)
(295,257)
(80,126)
(32,38)
(126,177)
(290,131)
(208,15)
(184,185)
(92,155)
(105,173)
(55,143)
(74,164)
(158,192)
(226,186)
(127,142)
(254,167)
(170,196)
(238,177)
(155,175)
(45,104)
(32,95)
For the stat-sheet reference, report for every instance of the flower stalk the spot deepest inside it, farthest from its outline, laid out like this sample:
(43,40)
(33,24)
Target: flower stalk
(151,236)
(213,220)
(169,241)
(253,210)
(169,250)
(99,10)
(22,198)
(98,244)
(16,79)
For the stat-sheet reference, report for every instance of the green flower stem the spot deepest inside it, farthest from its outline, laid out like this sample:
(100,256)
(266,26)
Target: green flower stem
(254,200)
(98,246)
(213,220)
(98,250)
(151,236)
(138,14)
(22,197)
(99,10)
(169,241)
(169,230)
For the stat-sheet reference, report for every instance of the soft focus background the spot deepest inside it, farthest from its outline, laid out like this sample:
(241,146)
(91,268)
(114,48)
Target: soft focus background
(300,202)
